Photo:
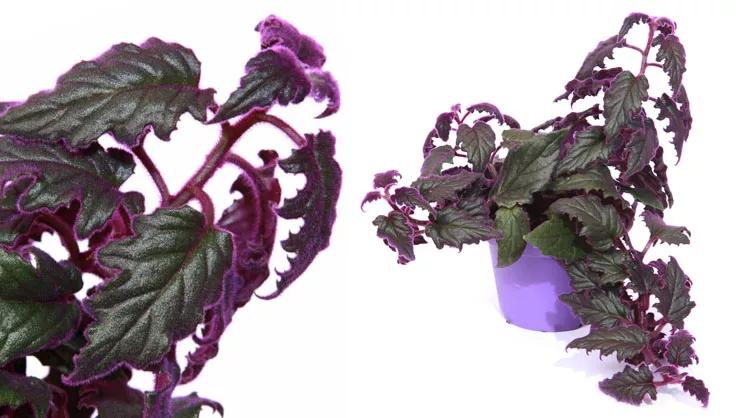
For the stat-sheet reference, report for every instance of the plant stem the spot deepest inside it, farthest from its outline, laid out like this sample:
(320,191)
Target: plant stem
(634,47)
(295,136)
(645,52)
(244,165)
(66,236)
(208,208)
(153,171)
(651,242)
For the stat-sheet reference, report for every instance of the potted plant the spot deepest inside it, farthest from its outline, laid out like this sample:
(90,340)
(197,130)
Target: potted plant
(163,272)
(557,202)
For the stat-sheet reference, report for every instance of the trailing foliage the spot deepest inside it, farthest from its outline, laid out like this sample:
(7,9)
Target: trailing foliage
(573,187)
(166,271)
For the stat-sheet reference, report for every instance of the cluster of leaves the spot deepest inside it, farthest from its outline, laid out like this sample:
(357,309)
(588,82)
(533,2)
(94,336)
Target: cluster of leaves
(572,187)
(163,273)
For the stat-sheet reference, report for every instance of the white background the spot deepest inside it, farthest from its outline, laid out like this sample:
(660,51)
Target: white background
(359,336)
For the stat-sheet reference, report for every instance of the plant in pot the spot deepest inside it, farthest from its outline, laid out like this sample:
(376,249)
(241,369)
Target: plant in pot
(163,272)
(557,203)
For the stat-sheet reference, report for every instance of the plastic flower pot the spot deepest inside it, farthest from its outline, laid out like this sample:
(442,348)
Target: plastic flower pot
(529,292)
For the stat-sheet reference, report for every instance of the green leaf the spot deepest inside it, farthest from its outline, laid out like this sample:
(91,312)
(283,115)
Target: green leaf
(122,92)
(623,98)
(626,342)
(589,146)
(91,176)
(601,223)
(437,157)
(581,277)
(455,227)
(17,390)
(556,238)
(33,314)
(645,196)
(672,54)
(597,177)
(274,75)
(478,141)
(599,308)
(666,233)
(397,233)
(515,137)
(610,265)
(642,276)
(527,169)
(631,385)
(674,298)
(409,196)
(169,272)
(696,387)
(514,224)
(641,148)
(445,187)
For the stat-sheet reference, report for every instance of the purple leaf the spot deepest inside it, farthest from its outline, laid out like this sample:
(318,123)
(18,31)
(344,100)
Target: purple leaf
(397,233)
(324,87)
(315,203)
(409,196)
(158,402)
(679,118)
(190,406)
(113,397)
(623,99)
(642,146)
(697,388)
(672,54)
(679,349)
(276,31)
(436,158)
(386,179)
(630,21)
(493,112)
(591,86)
(631,385)
(674,297)
(370,197)
(443,125)
(659,230)
(18,390)
(597,57)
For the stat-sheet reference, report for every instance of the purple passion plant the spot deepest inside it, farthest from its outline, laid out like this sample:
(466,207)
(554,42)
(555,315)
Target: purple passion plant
(165,273)
(572,187)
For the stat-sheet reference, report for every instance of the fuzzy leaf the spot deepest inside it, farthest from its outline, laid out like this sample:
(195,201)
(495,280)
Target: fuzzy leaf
(696,388)
(597,177)
(444,187)
(626,342)
(666,233)
(601,223)
(556,238)
(623,98)
(598,308)
(34,312)
(631,385)
(91,176)
(169,272)
(672,55)
(122,92)
(645,196)
(641,148)
(478,142)
(455,227)
(514,225)
(397,233)
(409,196)
(528,168)
(591,86)
(589,146)
(275,75)
(596,57)
(14,223)
(610,265)
(679,118)
(630,21)
(17,390)
(370,197)
(674,298)
(443,124)
(679,349)
(385,179)
(581,277)
(276,31)
(324,87)
(438,156)
(191,406)
(315,203)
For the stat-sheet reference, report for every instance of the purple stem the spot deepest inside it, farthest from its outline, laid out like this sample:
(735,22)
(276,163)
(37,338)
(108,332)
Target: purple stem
(153,171)
(208,208)
(645,53)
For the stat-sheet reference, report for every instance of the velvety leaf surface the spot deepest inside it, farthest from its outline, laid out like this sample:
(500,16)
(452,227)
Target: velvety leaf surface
(277,31)
(190,406)
(370,197)
(597,177)
(610,265)
(597,56)
(513,223)
(674,298)
(13,222)
(443,125)
(478,141)
(438,156)
(630,21)
(624,341)
(680,349)
(315,203)
(409,196)
(581,277)
(385,179)
(696,388)
(275,75)
(589,146)
(91,176)
(439,188)
(641,147)
(528,168)
(672,56)
(324,87)
(600,222)
(599,308)
(631,385)
(455,227)
(679,118)
(397,233)
(34,316)
(645,196)
(17,390)
(169,272)
(642,276)
(623,98)
(121,92)
(556,238)
(666,233)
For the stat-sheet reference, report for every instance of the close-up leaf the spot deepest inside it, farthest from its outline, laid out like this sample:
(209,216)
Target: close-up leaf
(696,387)
(437,157)
(680,349)
(597,56)
(409,196)
(589,147)
(597,177)
(631,385)
(672,56)
(513,223)
(444,187)
(678,117)
(455,227)
(555,237)
(601,223)
(674,298)
(17,390)
(598,308)
(397,233)
(641,147)
(478,141)
(625,341)
(666,233)
(622,99)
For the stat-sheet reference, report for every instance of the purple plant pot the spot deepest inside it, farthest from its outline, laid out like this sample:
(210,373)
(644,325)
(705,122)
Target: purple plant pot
(529,291)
